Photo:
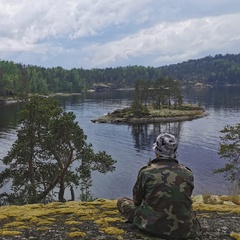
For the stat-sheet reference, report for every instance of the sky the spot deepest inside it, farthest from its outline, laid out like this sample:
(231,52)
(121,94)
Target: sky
(112,33)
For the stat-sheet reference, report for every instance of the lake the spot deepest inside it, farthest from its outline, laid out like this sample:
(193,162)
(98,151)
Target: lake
(131,145)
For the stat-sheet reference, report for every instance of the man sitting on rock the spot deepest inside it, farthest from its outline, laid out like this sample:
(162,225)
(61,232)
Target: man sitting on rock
(162,204)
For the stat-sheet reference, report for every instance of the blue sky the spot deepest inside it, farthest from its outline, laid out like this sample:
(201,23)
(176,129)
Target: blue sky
(112,33)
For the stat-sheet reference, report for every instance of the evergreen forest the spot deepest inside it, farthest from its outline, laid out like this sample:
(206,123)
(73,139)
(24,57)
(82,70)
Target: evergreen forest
(18,79)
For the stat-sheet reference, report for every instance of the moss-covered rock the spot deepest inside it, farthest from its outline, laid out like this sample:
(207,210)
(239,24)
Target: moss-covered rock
(100,219)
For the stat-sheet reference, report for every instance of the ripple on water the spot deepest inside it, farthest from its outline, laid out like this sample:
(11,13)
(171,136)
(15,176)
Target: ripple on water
(198,144)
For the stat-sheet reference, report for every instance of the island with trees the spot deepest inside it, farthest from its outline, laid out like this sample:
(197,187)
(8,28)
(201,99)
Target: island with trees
(158,101)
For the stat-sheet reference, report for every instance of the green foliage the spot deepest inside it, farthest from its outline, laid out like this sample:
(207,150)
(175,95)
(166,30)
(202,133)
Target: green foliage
(49,155)
(138,110)
(190,107)
(230,150)
(164,92)
(139,105)
(217,70)
(21,80)
(87,197)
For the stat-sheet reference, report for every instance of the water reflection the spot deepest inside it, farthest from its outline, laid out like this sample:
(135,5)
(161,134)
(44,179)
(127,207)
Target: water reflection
(8,126)
(9,115)
(145,135)
(131,145)
(217,97)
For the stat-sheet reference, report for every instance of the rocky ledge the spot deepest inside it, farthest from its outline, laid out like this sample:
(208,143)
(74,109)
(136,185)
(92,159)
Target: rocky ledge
(219,217)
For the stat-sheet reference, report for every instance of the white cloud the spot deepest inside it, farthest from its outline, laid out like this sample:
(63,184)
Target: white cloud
(101,33)
(171,42)
(41,19)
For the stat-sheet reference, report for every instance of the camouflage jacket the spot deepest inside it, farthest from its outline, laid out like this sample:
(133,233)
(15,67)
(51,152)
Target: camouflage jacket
(163,193)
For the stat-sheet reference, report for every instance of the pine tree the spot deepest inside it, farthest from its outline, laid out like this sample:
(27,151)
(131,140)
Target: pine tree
(230,150)
(49,155)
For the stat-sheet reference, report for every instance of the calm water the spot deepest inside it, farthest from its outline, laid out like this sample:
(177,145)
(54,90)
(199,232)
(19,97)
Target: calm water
(131,145)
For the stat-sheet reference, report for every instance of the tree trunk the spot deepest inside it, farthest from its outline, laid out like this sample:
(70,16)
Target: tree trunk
(72,194)
(61,191)
(56,179)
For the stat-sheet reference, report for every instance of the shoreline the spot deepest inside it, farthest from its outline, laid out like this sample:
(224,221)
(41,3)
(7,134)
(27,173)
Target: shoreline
(11,101)
(6,102)
(150,119)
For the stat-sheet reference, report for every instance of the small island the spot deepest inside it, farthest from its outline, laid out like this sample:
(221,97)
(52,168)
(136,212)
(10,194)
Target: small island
(160,101)
(126,115)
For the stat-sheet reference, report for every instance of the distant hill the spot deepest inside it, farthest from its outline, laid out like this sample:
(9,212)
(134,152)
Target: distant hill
(20,79)
(218,70)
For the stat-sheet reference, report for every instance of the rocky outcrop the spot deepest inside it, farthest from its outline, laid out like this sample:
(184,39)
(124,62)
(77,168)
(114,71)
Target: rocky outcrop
(150,119)
(219,217)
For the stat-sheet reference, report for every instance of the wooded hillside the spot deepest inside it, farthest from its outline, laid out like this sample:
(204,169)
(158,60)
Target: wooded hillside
(19,79)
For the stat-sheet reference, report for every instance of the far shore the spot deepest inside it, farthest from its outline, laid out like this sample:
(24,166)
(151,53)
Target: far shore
(63,94)
(4,102)
(13,100)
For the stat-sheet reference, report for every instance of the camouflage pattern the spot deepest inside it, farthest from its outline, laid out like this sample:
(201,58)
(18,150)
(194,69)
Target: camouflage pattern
(162,204)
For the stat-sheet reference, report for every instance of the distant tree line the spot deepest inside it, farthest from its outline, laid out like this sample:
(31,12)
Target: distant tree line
(19,79)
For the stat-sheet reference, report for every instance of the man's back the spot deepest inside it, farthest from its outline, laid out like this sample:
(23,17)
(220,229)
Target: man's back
(163,193)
